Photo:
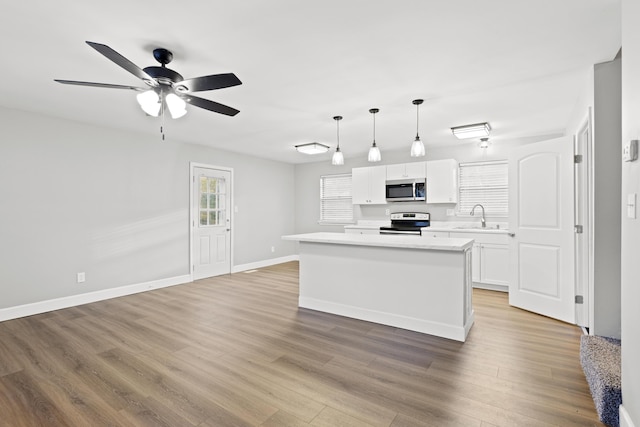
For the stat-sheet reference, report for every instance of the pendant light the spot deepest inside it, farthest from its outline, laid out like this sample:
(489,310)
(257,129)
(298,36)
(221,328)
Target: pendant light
(374,151)
(417,148)
(484,143)
(338,158)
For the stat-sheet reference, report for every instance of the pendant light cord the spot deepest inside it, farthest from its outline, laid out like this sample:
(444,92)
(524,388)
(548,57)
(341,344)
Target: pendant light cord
(417,120)
(338,133)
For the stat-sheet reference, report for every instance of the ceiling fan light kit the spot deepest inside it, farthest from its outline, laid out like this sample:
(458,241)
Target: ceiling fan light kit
(476,130)
(165,87)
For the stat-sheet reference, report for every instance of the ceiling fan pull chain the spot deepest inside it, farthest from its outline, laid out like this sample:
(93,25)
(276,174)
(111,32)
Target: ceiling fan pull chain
(162,104)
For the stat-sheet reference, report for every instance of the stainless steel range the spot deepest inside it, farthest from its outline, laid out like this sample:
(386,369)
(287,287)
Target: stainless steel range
(407,223)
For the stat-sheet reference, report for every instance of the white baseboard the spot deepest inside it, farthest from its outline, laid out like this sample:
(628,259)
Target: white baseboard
(264,263)
(625,418)
(490,287)
(75,300)
(458,333)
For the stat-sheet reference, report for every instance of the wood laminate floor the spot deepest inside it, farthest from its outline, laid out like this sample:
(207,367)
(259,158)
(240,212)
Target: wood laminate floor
(236,351)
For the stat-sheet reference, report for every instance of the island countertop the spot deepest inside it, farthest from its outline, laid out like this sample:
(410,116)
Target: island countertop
(385,240)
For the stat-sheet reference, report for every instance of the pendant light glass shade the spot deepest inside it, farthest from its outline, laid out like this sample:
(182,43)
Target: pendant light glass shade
(417,147)
(338,158)
(149,102)
(374,151)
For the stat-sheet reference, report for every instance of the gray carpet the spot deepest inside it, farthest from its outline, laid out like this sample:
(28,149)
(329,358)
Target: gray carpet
(600,359)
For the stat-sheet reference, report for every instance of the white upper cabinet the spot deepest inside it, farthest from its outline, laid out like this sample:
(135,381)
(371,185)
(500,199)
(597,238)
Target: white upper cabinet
(442,181)
(368,185)
(413,170)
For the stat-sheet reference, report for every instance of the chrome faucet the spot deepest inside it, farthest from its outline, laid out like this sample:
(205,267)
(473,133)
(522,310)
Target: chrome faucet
(482,220)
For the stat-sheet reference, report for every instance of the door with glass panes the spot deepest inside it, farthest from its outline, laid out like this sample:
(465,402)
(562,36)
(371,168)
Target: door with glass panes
(211,222)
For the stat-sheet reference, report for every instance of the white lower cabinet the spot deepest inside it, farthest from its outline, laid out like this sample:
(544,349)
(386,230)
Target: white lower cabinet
(435,233)
(362,230)
(489,258)
(494,265)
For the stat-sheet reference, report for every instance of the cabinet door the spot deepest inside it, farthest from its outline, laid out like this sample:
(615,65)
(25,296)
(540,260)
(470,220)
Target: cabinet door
(442,181)
(360,186)
(377,181)
(494,268)
(396,171)
(368,185)
(415,170)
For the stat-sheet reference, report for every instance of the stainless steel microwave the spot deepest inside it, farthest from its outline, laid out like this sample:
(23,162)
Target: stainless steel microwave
(406,190)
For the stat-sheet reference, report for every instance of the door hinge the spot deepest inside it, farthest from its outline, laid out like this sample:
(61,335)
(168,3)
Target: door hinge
(578,229)
(577,158)
(579,299)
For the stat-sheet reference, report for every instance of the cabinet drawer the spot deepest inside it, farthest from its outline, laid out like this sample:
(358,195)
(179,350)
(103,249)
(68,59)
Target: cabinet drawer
(483,237)
(435,233)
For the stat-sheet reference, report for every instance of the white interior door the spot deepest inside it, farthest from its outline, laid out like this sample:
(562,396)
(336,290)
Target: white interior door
(211,222)
(541,250)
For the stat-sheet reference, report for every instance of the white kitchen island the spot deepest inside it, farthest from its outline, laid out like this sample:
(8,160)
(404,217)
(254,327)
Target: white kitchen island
(417,283)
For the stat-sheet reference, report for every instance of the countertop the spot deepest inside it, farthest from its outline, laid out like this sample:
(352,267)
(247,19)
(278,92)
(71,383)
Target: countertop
(448,226)
(383,240)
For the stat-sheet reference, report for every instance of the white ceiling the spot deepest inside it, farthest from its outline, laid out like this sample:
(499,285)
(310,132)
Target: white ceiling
(518,65)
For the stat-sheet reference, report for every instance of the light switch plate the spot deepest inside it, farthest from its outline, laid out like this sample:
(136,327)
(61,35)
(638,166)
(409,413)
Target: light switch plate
(631,205)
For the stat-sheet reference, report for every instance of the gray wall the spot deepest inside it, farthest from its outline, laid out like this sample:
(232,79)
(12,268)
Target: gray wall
(630,227)
(115,205)
(308,177)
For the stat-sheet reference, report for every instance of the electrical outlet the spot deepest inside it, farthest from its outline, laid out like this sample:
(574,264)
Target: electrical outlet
(80,277)
(386,212)
(273,249)
(451,212)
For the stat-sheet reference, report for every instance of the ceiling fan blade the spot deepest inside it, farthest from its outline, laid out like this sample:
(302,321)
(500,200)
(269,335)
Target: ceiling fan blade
(123,62)
(214,81)
(105,85)
(209,105)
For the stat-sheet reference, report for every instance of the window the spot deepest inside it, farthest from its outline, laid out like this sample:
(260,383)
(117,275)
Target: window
(485,183)
(212,201)
(335,199)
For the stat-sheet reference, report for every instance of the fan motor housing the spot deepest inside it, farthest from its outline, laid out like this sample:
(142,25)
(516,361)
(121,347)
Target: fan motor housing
(163,74)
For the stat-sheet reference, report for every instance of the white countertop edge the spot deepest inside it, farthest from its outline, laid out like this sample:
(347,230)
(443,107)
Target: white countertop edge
(391,241)
(467,230)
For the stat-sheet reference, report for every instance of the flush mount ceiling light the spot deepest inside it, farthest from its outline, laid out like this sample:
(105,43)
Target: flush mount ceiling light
(471,131)
(484,143)
(374,151)
(417,147)
(338,158)
(312,148)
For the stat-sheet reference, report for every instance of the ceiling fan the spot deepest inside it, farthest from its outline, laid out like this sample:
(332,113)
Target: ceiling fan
(166,89)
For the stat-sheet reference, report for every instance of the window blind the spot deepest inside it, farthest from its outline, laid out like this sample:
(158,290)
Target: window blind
(485,183)
(335,199)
